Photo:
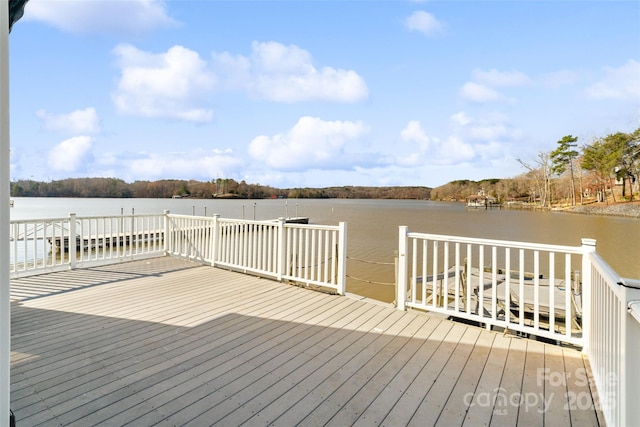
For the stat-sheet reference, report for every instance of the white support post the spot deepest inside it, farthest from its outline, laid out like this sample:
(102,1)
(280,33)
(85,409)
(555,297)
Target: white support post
(165,239)
(214,239)
(630,374)
(342,258)
(588,247)
(73,242)
(401,280)
(281,250)
(5,222)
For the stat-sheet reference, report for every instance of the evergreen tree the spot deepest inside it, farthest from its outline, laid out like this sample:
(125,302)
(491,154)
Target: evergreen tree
(562,159)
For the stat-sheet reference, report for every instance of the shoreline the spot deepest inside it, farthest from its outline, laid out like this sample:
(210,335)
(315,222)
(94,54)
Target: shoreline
(621,209)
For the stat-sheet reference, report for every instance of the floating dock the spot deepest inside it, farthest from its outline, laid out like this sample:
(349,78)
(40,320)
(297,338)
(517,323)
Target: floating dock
(61,244)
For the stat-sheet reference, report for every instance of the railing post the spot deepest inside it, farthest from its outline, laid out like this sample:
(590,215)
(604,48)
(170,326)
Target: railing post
(629,372)
(5,291)
(281,250)
(165,239)
(401,280)
(214,240)
(342,258)
(73,242)
(588,247)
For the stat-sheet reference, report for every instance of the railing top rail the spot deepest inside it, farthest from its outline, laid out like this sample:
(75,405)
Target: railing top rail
(503,243)
(630,283)
(66,218)
(247,221)
(209,218)
(119,216)
(312,226)
(604,269)
(30,221)
(634,310)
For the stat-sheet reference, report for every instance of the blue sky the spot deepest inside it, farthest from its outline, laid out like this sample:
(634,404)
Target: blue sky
(315,93)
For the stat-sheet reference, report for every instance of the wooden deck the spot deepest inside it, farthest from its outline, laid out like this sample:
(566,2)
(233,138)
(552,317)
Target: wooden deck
(169,342)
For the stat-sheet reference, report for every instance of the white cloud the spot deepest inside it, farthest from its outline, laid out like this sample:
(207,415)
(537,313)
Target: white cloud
(431,150)
(423,22)
(482,87)
(196,164)
(76,122)
(559,78)
(70,154)
(487,132)
(101,16)
(414,132)
(497,78)
(311,143)
(618,83)
(460,118)
(479,93)
(166,85)
(472,142)
(489,127)
(286,74)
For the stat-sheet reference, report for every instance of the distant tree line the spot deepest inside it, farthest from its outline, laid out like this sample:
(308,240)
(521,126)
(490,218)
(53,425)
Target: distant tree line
(218,188)
(606,169)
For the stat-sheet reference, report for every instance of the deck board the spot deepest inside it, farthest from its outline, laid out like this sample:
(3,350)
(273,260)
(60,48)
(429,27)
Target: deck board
(166,341)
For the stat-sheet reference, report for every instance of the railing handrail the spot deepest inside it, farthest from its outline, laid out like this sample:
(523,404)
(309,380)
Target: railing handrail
(78,217)
(500,243)
(34,220)
(198,217)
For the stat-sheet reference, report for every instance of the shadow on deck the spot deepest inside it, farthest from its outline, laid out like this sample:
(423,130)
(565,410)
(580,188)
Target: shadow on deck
(164,341)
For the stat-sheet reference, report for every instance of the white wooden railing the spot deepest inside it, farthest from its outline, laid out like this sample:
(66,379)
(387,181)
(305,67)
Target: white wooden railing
(613,341)
(563,293)
(525,287)
(54,244)
(301,253)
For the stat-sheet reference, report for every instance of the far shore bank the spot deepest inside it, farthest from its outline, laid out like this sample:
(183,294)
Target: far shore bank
(624,209)
(621,209)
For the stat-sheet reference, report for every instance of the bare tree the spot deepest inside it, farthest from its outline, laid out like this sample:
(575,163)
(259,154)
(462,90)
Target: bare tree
(542,176)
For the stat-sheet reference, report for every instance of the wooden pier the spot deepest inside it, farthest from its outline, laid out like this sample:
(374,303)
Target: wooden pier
(61,244)
(178,343)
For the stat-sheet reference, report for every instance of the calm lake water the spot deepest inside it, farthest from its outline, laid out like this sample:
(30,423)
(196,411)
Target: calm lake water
(373,227)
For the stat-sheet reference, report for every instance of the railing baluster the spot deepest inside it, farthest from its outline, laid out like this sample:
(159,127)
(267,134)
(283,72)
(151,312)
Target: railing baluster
(434,275)
(468,284)
(481,281)
(568,289)
(507,285)
(423,284)
(536,290)
(445,274)
(552,279)
(521,288)
(494,283)
(456,280)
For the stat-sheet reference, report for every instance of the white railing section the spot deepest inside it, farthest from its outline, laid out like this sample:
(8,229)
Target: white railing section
(249,246)
(100,240)
(316,255)
(55,244)
(307,254)
(31,248)
(613,342)
(525,287)
(302,253)
(189,237)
